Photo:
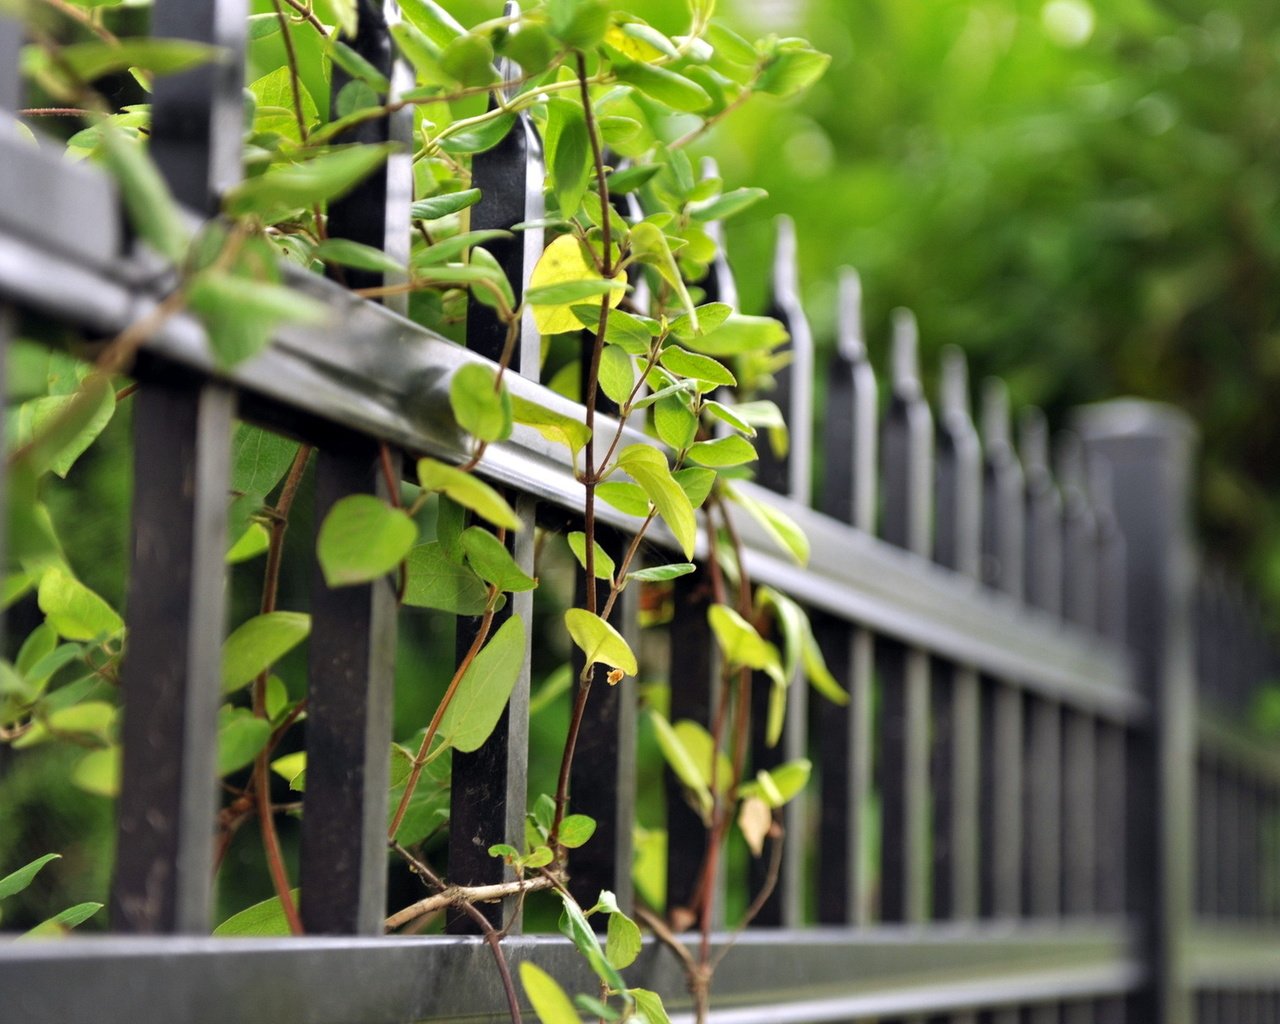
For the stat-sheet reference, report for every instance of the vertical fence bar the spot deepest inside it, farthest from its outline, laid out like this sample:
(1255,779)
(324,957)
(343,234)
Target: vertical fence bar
(844,734)
(488,785)
(1079,607)
(907,465)
(11,84)
(1150,450)
(175,605)
(1002,532)
(694,672)
(789,475)
(1042,799)
(957,696)
(351,663)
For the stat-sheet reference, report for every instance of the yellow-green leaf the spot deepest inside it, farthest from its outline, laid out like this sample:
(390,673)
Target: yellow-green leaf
(259,643)
(468,490)
(361,539)
(648,467)
(564,262)
(603,562)
(599,641)
(75,611)
(549,1000)
(485,688)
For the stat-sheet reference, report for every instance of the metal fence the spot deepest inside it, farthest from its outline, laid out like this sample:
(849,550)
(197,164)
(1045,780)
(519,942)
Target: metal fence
(1062,836)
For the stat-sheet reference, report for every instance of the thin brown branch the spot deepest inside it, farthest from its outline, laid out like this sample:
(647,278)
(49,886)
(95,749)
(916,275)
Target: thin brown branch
(85,19)
(460,895)
(56,112)
(291,57)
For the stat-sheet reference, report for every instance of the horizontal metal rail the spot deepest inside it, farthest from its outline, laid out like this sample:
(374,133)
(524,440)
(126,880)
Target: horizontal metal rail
(1234,954)
(393,385)
(1228,744)
(811,975)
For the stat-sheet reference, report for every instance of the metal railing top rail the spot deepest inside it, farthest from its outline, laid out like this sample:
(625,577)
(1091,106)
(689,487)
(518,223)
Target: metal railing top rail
(371,370)
(810,975)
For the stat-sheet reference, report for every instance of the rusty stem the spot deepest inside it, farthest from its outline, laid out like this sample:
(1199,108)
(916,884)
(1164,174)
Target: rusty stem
(261,766)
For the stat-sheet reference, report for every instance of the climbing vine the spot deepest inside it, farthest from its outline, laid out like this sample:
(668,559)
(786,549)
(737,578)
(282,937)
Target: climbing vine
(618,297)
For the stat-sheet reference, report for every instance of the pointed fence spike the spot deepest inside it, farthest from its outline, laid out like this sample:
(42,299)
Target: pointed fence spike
(508,69)
(955,383)
(852,338)
(786,273)
(995,413)
(1033,441)
(906,357)
(709,167)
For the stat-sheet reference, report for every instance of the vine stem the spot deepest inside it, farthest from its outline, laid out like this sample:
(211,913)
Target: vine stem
(491,934)
(591,476)
(291,57)
(420,760)
(261,766)
(457,895)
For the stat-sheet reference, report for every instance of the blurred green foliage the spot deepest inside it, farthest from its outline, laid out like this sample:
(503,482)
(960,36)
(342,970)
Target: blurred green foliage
(1082,198)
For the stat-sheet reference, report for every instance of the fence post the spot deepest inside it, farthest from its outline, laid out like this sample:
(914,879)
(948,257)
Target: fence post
(1150,448)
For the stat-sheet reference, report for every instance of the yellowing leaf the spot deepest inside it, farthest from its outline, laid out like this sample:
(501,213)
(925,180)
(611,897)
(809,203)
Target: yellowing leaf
(564,262)
(599,641)
(549,1000)
(469,490)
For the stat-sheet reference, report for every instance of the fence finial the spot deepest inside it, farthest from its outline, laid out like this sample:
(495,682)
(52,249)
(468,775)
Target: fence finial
(1033,441)
(906,358)
(955,383)
(852,338)
(1069,463)
(508,69)
(995,414)
(786,274)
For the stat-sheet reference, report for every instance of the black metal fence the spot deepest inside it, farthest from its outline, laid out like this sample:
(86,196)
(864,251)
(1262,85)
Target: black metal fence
(1062,836)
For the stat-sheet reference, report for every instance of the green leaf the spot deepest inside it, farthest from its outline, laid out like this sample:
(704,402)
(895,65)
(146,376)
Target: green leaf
(293,769)
(262,919)
(696,483)
(75,611)
(480,407)
(240,313)
(622,941)
(361,539)
(62,427)
(710,316)
(14,883)
(469,491)
(778,525)
(726,414)
(792,67)
(39,644)
(452,248)
(347,253)
(283,188)
(574,925)
(63,921)
(576,829)
(675,422)
(485,688)
(434,580)
(259,459)
(603,562)
(554,426)
(258,644)
(649,1008)
(725,206)
(658,573)
(682,764)
(90,61)
(548,999)
(274,106)
(480,138)
(435,207)
(98,772)
(255,540)
(631,178)
(432,20)
(490,558)
(468,59)
(664,85)
(698,367)
(733,450)
(88,718)
(599,641)
(356,65)
(625,497)
(151,206)
(566,292)
(781,784)
(648,467)
(617,374)
(241,735)
(738,335)
(568,153)
(740,643)
(702,751)
(579,24)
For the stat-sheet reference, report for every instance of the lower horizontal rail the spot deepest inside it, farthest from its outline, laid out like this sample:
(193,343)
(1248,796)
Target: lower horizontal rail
(1234,954)
(810,975)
